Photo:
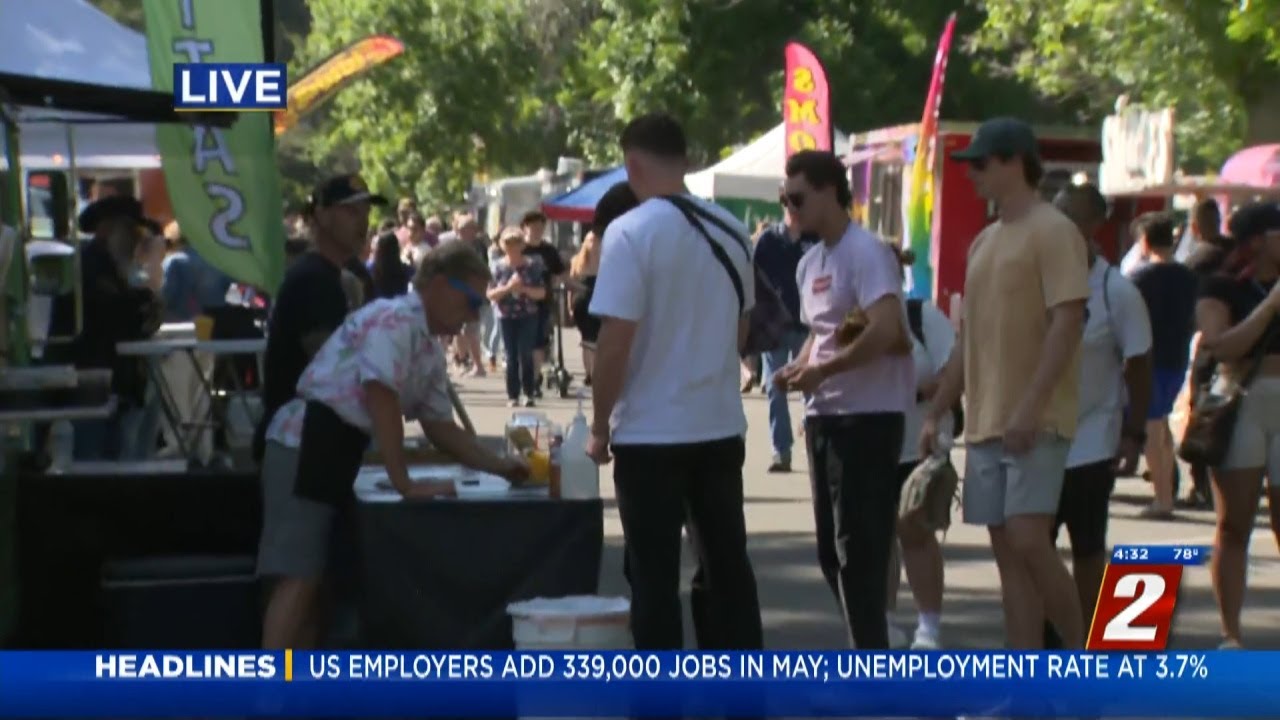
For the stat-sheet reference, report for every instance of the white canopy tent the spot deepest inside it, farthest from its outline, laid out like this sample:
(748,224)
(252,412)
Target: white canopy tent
(72,40)
(752,173)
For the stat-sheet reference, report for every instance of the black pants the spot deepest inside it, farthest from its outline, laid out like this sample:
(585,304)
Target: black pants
(1084,509)
(703,632)
(660,489)
(853,467)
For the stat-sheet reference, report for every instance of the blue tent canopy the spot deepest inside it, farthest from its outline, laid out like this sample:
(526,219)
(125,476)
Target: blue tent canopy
(579,204)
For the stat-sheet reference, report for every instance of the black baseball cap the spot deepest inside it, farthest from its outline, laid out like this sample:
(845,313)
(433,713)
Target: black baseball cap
(1000,137)
(115,206)
(342,190)
(1254,220)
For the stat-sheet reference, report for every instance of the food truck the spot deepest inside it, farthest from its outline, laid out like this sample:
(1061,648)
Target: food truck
(880,167)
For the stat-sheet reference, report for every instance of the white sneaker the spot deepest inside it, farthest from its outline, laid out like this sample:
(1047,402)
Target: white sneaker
(926,639)
(1230,645)
(898,638)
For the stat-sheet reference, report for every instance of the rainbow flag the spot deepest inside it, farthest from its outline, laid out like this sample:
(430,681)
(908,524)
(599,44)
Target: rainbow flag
(919,221)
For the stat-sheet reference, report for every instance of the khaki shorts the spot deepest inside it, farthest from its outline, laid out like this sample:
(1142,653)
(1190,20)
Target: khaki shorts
(998,486)
(297,532)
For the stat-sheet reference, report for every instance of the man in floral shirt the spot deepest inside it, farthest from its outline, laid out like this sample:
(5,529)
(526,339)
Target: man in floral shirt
(382,366)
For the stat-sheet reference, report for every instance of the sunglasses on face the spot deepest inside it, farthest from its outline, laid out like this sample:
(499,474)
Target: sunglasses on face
(978,164)
(474,300)
(793,200)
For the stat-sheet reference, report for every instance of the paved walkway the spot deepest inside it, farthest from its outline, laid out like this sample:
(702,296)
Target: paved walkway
(798,610)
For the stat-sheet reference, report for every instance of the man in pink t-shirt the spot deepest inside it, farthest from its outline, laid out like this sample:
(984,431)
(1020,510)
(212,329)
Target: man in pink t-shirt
(857,393)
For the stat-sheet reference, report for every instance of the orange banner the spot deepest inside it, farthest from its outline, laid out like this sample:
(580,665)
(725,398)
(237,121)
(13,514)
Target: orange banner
(806,102)
(327,78)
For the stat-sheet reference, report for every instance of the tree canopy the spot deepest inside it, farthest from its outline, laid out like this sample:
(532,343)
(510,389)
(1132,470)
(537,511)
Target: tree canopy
(1216,62)
(488,88)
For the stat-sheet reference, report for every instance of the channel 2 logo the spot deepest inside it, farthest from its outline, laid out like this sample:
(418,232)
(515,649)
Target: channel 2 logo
(1138,596)
(243,87)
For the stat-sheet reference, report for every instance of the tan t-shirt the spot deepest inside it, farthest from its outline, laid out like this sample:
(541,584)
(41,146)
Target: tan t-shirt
(1017,271)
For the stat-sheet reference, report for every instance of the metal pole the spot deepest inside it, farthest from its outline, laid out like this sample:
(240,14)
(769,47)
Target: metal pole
(73,229)
(268,10)
(13,437)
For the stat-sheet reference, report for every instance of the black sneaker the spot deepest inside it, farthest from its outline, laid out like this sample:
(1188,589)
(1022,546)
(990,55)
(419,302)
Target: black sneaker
(780,464)
(528,402)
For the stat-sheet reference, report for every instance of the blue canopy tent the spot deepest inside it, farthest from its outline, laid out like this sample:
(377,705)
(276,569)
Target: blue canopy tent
(579,204)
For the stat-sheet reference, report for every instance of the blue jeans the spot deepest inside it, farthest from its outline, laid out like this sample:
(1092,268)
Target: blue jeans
(490,333)
(779,413)
(519,335)
(140,429)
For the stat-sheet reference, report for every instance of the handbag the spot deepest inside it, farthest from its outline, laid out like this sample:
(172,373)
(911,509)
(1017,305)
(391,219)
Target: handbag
(1214,411)
(768,320)
(929,494)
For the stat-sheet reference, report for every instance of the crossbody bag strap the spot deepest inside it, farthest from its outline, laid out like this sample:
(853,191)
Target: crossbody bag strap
(685,207)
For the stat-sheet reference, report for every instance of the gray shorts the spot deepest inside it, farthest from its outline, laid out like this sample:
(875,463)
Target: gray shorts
(998,486)
(296,531)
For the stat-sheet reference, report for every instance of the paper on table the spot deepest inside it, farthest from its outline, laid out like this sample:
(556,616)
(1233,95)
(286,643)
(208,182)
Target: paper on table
(373,485)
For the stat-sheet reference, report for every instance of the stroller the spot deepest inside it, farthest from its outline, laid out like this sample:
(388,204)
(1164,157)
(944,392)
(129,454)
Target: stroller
(555,375)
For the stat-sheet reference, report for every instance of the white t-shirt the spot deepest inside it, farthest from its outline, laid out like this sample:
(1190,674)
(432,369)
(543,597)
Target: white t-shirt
(929,358)
(1110,337)
(682,382)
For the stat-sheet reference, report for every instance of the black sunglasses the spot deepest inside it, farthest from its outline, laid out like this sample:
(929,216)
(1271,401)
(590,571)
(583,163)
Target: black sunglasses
(978,164)
(794,200)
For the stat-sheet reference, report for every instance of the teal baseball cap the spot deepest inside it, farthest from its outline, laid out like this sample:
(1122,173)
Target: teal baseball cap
(1000,137)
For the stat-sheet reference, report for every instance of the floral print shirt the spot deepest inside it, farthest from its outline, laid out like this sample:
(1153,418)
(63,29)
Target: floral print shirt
(386,341)
(533,272)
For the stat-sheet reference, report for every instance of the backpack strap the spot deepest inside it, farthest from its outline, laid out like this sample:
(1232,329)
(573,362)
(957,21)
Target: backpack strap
(915,319)
(1111,317)
(690,212)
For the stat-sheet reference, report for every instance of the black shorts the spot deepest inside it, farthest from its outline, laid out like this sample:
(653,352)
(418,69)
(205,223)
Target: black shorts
(1085,505)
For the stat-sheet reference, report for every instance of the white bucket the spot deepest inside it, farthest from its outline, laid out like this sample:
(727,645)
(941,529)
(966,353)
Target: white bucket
(577,622)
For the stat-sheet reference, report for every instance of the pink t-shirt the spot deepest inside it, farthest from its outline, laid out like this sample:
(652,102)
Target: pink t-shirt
(834,279)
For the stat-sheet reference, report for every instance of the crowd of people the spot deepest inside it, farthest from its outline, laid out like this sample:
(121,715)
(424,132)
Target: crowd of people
(1062,371)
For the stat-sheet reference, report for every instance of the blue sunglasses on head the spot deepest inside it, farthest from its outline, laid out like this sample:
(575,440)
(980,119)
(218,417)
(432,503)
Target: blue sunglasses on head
(474,300)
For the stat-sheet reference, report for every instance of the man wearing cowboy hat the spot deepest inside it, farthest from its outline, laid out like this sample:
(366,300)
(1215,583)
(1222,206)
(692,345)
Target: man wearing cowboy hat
(114,311)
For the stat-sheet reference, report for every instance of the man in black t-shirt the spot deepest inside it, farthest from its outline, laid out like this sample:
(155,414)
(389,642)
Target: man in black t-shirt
(311,303)
(1169,290)
(534,224)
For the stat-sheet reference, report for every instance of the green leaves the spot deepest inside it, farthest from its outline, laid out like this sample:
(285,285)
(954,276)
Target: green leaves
(1204,58)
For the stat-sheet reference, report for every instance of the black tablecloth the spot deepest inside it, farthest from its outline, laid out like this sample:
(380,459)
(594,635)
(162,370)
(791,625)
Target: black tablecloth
(434,575)
(441,574)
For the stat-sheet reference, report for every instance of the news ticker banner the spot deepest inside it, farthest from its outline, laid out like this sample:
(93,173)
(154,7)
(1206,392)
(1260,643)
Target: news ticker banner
(637,684)
(223,183)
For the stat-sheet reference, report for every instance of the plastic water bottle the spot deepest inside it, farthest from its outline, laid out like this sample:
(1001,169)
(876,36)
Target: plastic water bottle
(62,439)
(580,478)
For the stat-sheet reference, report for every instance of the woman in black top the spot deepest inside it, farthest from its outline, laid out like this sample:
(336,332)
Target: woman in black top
(1239,320)
(616,202)
(390,273)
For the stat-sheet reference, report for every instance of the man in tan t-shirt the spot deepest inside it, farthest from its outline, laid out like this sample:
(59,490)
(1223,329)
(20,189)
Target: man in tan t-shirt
(1026,287)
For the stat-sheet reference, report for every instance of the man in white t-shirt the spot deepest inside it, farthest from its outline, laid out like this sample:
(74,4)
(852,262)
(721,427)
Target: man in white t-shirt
(1115,370)
(666,398)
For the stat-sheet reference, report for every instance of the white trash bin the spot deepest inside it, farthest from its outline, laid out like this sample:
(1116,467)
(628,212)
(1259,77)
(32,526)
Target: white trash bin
(576,622)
